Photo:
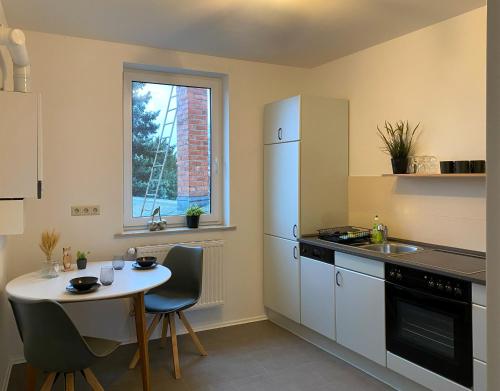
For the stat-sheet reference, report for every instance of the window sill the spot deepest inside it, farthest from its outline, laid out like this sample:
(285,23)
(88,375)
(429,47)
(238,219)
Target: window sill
(175,231)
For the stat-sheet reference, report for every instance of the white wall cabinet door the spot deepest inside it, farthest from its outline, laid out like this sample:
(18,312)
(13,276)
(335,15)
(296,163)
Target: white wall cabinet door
(282,121)
(360,314)
(317,296)
(281,190)
(18,145)
(281,276)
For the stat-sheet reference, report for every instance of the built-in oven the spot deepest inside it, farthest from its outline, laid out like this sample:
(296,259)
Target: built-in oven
(429,321)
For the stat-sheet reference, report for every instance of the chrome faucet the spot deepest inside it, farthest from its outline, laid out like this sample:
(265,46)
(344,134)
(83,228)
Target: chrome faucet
(383,228)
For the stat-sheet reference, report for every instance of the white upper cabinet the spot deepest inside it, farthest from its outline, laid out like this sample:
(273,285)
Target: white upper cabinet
(282,121)
(281,190)
(305,165)
(19,145)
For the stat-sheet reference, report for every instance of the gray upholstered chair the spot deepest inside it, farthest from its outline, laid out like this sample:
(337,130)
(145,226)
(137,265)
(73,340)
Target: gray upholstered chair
(53,344)
(181,292)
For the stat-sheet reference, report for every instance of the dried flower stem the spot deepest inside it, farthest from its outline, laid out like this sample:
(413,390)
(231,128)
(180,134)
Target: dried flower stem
(49,242)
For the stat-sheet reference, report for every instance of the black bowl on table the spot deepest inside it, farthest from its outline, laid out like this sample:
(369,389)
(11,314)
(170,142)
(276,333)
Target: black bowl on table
(83,283)
(146,261)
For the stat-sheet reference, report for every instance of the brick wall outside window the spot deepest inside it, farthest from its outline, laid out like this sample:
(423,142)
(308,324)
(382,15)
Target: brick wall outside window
(193,148)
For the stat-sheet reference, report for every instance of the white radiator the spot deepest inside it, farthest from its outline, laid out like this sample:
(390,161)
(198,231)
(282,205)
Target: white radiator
(212,293)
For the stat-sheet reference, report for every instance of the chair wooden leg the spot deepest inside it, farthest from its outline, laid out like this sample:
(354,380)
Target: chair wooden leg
(70,381)
(175,351)
(49,382)
(193,335)
(30,377)
(92,380)
(164,331)
(151,329)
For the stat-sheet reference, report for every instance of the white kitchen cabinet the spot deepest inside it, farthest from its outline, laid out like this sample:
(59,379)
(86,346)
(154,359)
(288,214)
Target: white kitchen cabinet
(480,380)
(479,332)
(20,145)
(281,276)
(281,190)
(317,296)
(360,313)
(282,121)
(305,166)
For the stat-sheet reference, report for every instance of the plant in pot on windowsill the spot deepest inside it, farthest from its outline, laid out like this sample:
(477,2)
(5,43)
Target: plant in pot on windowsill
(193,216)
(399,143)
(81,259)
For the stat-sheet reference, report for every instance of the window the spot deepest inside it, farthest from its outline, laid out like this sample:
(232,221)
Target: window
(172,147)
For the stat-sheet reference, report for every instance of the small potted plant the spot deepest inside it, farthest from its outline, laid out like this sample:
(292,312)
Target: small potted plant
(193,216)
(399,143)
(81,259)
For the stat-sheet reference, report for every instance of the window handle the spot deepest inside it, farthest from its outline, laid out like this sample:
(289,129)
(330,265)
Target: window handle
(341,282)
(295,252)
(280,134)
(294,230)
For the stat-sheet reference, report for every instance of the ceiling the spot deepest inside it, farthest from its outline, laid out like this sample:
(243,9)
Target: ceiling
(303,33)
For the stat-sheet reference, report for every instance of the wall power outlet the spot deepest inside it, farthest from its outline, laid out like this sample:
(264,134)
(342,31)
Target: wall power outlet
(86,210)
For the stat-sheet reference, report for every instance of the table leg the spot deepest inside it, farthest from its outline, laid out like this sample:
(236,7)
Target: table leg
(30,377)
(140,326)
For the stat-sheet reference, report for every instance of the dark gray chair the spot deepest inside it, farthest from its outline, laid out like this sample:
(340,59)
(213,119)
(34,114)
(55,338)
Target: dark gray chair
(181,292)
(53,344)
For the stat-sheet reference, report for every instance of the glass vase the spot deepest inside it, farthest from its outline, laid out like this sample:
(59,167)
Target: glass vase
(50,269)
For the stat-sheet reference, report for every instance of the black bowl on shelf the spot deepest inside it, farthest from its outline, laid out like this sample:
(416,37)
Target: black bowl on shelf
(146,261)
(83,283)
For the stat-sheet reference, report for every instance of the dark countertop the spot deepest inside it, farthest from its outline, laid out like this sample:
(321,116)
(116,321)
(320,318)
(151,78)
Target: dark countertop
(464,264)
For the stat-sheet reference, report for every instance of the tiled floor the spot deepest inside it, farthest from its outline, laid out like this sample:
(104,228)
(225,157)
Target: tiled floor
(253,357)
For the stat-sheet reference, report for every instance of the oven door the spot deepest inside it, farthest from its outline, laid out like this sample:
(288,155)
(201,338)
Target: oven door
(430,331)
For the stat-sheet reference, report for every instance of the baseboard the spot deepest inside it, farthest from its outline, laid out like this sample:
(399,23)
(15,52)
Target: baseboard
(212,326)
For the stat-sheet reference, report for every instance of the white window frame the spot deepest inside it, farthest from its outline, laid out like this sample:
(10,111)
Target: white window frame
(216,143)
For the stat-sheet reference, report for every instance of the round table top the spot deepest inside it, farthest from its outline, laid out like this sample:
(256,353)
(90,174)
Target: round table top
(128,281)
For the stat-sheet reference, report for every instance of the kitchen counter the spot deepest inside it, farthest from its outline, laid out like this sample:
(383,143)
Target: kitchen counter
(464,264)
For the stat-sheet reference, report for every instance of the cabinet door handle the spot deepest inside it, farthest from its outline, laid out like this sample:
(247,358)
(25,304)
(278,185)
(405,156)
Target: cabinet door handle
(341,282)
(295,252)
(280,134)
(294,230)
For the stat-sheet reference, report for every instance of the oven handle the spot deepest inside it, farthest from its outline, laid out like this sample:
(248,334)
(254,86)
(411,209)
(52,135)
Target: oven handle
(417,292)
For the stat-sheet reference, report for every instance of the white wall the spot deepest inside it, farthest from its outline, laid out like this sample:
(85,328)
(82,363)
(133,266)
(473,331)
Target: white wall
(81,83)
(435,76)
(4,342)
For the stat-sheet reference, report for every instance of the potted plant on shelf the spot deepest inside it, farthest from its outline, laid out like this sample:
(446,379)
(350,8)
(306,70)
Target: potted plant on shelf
(81,259)
(193,216)
(399,143)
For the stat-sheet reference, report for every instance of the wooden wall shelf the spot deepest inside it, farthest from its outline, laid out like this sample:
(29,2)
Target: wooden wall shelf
(436,175)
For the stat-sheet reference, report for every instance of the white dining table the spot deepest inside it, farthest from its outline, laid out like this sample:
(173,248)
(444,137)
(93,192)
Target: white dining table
(128,282)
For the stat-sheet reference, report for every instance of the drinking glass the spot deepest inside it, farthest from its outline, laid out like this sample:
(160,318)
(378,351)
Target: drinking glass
(118,262)
(107,275)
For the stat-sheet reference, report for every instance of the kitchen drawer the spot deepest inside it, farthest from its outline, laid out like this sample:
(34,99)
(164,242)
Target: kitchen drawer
(479,332)
(480,383)
(359,264)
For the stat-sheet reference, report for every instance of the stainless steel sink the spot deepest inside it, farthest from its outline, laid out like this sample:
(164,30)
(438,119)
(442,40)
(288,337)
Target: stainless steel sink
(392,248)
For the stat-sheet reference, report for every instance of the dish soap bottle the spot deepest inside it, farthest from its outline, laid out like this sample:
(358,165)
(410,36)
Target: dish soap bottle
(376,235)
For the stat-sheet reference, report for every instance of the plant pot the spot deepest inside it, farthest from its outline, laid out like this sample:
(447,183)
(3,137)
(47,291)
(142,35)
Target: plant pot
(81,263)
(192,221)
(399,166)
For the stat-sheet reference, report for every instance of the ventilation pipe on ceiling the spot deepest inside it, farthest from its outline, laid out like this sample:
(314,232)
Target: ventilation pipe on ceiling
(15,41)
